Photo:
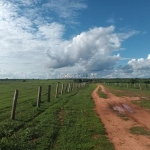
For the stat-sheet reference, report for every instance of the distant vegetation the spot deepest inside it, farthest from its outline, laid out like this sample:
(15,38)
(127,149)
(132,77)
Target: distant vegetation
(91,80)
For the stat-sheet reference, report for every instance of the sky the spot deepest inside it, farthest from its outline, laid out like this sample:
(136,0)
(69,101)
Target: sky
(44,39)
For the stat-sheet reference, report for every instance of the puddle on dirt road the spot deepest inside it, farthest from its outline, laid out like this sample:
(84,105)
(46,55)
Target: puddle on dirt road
(118,109)
(126,107)
(121,109)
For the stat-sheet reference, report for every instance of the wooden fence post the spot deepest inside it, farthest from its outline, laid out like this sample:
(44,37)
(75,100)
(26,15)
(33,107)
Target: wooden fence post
(14,105)
(68,87)
(72,86)
(134,85)
(57,86)
(62,88)
(76,85)
(82,84)
(146,86)
(49,92)
(39,96)
(79,85)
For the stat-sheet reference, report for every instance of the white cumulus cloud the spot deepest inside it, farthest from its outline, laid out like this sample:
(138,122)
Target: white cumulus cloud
(140,64)
(91,50)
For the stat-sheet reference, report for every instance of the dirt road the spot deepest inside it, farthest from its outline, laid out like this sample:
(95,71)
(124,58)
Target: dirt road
(118,129)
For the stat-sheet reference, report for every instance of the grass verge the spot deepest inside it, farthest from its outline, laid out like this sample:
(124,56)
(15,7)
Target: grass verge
(139,131)
(124,91)
(102,94)
(143,103)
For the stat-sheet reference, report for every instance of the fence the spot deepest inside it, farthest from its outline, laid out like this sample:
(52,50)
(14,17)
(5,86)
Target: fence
(29,97)
(140,86)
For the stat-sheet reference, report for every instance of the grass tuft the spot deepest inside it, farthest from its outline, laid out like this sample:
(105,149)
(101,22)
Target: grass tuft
(102,94)
(139,131)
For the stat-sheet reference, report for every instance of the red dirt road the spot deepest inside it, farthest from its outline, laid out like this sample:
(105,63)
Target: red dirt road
(118,129)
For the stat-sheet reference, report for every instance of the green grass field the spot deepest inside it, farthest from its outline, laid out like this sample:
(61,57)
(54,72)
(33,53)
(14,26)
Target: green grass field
(68,122)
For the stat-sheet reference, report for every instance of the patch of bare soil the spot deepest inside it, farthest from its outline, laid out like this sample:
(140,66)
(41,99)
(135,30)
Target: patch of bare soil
(118,129)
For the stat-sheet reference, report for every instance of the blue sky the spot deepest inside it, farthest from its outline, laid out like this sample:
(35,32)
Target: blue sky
(70,38)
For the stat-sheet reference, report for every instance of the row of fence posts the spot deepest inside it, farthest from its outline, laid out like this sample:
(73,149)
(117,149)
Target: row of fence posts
(127,85)
(69,87)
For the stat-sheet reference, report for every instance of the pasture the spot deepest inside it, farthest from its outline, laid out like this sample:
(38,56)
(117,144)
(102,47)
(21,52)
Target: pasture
(68,122)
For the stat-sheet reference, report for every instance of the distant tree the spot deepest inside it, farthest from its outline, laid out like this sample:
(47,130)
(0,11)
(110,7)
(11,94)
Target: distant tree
(147,82)
(77,80)
(133,81)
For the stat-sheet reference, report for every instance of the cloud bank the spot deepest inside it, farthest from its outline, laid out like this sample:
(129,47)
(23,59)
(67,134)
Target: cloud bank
(27,29)
(32,42)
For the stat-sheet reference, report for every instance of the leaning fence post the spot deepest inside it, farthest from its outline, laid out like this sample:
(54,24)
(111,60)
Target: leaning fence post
(39,96)
(49,91)
(57,86)
(14,104)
